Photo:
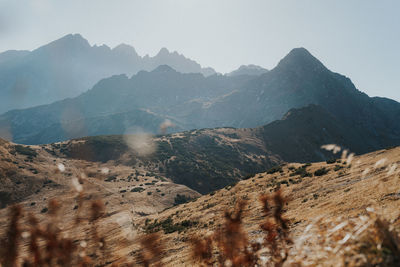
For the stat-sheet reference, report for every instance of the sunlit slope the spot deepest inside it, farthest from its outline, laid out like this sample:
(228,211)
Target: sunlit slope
(34,174)
(139,176)
(320,197)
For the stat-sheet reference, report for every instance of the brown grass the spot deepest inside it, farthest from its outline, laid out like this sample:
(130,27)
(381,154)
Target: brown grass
(365,241)
(10,243)
(250,235)
(230,245)
(47,244)
(151,250)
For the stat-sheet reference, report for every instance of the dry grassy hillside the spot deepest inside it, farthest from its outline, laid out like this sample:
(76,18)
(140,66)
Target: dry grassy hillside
(33,177)
(27,170)
(321,210)
(331,210)
(204,160)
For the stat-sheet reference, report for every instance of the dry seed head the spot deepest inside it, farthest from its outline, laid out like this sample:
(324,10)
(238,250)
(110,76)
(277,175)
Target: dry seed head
(332,147)
(392,169)
(61,167)
(380,163)
(97,209)
(344,154)
(54,207)
(76,185)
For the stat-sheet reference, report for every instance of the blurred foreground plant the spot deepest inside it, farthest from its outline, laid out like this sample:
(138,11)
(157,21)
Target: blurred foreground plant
(47,244)
(367,240)
(230,246)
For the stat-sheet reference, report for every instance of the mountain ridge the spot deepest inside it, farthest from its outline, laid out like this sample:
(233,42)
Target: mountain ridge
(192,101)
(248,70)
(69,66)
(209,159)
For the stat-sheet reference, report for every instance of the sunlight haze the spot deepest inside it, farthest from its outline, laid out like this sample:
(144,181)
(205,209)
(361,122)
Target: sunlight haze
(357,38)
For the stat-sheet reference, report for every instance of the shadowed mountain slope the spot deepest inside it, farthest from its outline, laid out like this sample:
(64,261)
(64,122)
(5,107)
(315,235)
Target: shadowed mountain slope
(144,101)
(209,159)
(299,80)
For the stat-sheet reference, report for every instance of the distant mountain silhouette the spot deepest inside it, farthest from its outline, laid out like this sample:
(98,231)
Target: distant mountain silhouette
(157,95)
(192,101)
(69,66)
(248,70)
(12,55)
(297,81)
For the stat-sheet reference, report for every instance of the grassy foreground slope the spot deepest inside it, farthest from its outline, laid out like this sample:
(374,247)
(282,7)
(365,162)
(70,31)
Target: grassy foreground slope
(331,209)
(327,204)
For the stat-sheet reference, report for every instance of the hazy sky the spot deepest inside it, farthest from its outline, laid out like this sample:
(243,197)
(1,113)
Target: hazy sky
(360,39)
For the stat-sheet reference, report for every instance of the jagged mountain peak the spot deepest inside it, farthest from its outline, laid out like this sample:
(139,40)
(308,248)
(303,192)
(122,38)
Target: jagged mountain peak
(300,58)
(70,40)
(179,62)
(163,52)
(70,65)
(125,50)
(73,36)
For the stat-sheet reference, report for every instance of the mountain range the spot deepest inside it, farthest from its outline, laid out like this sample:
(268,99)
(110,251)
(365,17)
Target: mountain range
(188,101)
(156,159)
(209,159)
(70,66)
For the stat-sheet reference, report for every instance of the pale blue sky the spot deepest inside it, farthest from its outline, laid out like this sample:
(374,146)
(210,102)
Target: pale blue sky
(358,38)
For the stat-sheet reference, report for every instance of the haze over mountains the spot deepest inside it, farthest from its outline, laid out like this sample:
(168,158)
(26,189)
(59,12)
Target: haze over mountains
(70,66)
(209,159)
(163,131)
(192,101)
